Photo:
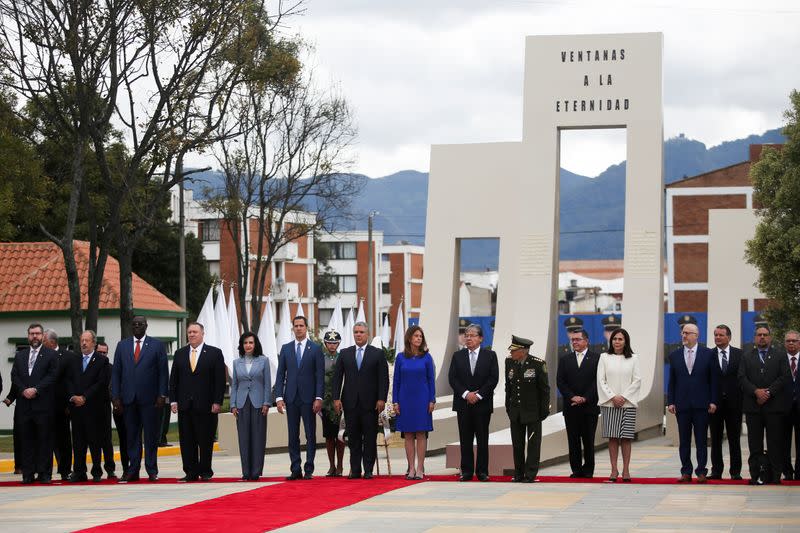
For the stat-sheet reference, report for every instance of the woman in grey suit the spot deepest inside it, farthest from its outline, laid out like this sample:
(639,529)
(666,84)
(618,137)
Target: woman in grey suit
(251,397)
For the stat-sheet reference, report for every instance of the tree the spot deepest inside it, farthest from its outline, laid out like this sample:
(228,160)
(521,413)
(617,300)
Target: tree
(325,284)
(775,248)
(284,177)
(161,71)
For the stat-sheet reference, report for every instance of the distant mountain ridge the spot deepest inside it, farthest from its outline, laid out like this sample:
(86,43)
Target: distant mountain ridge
(401,200)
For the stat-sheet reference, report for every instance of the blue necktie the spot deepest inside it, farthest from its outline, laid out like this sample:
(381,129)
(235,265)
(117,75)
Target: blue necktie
(724,362)
(762,354)
(85,362)
(360,357)
(299,353)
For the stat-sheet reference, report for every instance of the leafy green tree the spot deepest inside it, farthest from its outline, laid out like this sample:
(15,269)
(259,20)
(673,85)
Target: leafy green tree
(775,248)
(325,284)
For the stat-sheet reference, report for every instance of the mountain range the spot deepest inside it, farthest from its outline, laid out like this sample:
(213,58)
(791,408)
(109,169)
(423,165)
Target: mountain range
(401,201)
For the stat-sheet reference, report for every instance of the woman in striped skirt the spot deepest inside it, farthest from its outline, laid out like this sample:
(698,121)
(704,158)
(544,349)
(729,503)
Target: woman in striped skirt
(618,383)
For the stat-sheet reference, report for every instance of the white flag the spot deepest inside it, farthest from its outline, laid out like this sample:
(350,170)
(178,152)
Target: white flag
(386,333)
(233,320)
(337,323)
(285,326)
(206,318)
(347,334)
(361,317)
(224,341)
(399,331)
(266,334)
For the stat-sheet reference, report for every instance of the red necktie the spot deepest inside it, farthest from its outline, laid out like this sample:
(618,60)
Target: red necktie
(794,367)
(137,351)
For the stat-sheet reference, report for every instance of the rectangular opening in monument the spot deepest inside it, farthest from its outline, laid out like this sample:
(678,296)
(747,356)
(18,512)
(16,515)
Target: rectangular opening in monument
(477,288)
(591,208)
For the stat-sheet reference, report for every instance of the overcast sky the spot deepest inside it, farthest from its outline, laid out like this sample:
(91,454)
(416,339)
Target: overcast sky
(422,72)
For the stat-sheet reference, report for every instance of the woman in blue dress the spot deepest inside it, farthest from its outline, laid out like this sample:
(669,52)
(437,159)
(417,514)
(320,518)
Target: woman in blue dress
(414,396)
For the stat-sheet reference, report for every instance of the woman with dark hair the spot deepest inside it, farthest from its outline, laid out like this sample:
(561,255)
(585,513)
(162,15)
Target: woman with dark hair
(414,396)
(251,396)
(618,383)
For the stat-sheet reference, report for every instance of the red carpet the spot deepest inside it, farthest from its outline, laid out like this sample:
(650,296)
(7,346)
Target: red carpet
(262,509)
(401,481)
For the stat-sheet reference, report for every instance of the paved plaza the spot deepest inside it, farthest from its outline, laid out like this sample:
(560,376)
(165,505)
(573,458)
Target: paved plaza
(440,506)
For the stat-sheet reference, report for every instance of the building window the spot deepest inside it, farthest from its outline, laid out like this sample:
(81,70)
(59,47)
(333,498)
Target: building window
(346,283)
(385,288)
(342,250)
(213,268)
(325,317)
(210,230)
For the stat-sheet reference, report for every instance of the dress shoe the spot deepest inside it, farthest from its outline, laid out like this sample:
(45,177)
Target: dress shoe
(368,475)
(776,482)
(685,478)
(294,476)
(483,477)
(64,477)
(354,476)
(308,475)
(129,478)
(517,479)
(77,478)
(573,475)
(465,477)
(97,479)
(44,479)
(755,482)
(788,477)
(112,476)
(701,478)
(714,476)
(27,480)
(206,477)
(528,479)
(152,478)
(187,479)
(331,472)
(737,477)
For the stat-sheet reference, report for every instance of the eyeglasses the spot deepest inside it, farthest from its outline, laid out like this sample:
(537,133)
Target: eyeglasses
(139,323)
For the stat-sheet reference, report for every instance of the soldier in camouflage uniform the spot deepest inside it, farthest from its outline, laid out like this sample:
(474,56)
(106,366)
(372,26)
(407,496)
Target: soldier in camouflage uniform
(527,404)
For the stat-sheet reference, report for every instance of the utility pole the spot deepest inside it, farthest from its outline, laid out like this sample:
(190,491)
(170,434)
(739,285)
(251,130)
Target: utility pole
(371,275)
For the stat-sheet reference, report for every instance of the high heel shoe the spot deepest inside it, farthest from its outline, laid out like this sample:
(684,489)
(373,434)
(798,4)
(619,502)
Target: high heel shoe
(626,479)
(613,478)
(420,477)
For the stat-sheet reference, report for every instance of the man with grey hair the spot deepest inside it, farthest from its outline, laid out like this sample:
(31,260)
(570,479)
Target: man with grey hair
(360,386)
(62,437)
(473,374)
(791,422)
(89,379)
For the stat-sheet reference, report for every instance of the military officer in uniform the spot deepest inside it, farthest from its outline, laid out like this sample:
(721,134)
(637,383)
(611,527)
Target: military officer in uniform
(527,404)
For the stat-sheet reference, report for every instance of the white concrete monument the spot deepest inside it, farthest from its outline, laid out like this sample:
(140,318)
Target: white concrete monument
(510,191)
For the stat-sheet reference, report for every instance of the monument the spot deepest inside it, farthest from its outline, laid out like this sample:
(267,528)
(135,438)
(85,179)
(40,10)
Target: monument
(510,191)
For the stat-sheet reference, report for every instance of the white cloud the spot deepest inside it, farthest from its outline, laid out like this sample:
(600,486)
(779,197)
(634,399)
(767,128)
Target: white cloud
(420,73)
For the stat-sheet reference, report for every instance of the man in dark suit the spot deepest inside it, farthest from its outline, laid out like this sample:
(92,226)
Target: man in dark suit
(8,400)
(765,379)
(104,418)
(728,416)
(473,376)
(88,379)
(791,423)
(139,381)
(196,391)
(62,436)
(365,373)
(34,376)
(299,388)
(576,378)
(691,396)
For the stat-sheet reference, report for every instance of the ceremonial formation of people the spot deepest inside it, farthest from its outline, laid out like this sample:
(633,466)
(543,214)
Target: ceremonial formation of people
(65,402)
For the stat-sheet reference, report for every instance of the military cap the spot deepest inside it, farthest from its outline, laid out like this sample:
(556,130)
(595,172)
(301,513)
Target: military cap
(332,336)
(760,321)
(686,319)
(611,322)
(573,323)
(519,342)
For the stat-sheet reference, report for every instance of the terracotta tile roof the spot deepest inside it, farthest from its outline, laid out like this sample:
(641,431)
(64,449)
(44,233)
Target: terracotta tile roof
(33,278)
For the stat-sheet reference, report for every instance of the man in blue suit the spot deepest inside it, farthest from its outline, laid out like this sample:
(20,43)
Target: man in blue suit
(299,387)
(691,396)
(139,381)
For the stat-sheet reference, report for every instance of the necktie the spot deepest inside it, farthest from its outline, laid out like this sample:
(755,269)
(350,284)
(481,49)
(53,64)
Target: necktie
(690,360)
(137,351)
(32,361)
(193,360)
(473,360)
(359,357)
(299,353)
(794,366)
(580,358)
(85,362)
(762,354)
(724,362)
